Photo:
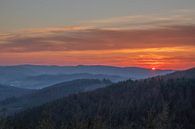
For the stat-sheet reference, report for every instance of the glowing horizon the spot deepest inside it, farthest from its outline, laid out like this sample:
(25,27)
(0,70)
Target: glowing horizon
(161,37)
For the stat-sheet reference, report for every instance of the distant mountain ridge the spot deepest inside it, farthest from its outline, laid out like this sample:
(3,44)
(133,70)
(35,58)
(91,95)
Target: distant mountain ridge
(45,80)
(38,76)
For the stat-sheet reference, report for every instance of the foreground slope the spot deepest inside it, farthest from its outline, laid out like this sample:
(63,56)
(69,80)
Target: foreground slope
(155,103)
(16,104)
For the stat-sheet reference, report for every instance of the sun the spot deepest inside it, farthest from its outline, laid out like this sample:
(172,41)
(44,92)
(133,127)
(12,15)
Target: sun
(153,68)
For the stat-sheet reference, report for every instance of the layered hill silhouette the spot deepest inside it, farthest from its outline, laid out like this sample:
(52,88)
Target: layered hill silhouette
(38,97)
(190,74)
(10,91)
(37,76)
(164,102)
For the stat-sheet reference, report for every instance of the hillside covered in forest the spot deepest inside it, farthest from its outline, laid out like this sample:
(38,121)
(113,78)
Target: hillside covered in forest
(154,103)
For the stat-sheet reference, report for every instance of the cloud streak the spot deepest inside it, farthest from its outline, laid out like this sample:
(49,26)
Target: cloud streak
(147,41)
(176,17)
(99,39)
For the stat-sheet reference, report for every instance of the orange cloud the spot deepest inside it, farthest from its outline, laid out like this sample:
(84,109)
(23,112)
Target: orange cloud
(174,58)
(167,47)
(96,39)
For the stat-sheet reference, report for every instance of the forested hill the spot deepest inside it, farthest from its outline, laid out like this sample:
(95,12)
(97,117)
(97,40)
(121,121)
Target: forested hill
(190,73)
(51,93)
(154,103)
(10,91)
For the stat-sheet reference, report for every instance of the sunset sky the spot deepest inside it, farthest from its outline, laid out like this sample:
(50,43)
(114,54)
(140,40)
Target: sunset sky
(142,33)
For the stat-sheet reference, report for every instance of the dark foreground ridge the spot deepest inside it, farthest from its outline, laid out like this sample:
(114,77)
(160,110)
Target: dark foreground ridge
(155,103)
